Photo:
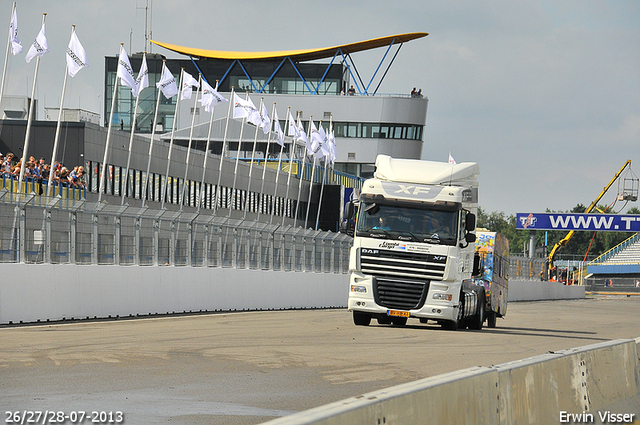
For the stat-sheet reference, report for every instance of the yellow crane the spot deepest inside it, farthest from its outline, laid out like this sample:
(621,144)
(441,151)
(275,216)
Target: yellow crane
(625,196)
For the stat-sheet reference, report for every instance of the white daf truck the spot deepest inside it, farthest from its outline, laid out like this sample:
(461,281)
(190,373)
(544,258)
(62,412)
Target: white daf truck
(413,245)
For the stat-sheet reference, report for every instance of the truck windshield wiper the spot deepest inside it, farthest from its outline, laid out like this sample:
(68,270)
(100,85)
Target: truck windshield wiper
(412,237)
(378,233)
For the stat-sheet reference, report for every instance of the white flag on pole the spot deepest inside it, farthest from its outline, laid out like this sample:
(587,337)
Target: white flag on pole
(142,81)
(76,56)
(39,46)
(316,140)
(210,97)
(188,82)
(294,131)
(16,45)
(246,109)
(303,134)
(167,84)
(332,146)
(265,121)
(278,128)
(324,143)
(451,160)
(125,72)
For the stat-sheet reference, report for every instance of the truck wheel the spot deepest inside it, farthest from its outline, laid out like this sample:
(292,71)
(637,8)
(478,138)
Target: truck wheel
(361,319)
(491,319)
(452,325)
(399,321)
(477,320)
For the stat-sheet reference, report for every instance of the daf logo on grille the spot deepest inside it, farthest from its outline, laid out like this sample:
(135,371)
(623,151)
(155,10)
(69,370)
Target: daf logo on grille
(370,251)
(439,257)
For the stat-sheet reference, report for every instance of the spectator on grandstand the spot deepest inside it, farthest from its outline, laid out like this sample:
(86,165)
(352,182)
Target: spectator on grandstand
(82,182)
(45,172)
(64,176)
(7,164)
(15,170)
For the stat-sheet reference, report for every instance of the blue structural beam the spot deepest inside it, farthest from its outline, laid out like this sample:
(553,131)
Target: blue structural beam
(362,88)
(614,269)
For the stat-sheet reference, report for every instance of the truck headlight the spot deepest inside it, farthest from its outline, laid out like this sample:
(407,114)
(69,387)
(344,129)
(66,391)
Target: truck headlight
(359,288)
(442,297)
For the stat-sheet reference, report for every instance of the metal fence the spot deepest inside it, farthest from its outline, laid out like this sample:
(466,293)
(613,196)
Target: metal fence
(525,268)
(37,229)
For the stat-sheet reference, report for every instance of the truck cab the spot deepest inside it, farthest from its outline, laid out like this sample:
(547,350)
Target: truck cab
(413,246)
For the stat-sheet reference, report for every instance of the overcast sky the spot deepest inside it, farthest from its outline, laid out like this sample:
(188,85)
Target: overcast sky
(543,95)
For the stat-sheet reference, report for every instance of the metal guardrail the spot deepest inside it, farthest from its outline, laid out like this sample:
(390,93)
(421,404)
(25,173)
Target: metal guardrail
(39,229)
(525,268)
(29,185)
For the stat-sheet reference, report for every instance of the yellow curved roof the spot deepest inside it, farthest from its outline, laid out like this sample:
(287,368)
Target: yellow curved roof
(295,55)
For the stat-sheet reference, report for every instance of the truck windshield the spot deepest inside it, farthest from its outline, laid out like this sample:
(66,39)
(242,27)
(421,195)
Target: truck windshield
(405,223)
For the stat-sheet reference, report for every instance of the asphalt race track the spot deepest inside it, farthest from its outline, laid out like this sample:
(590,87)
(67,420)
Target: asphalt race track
(247,368)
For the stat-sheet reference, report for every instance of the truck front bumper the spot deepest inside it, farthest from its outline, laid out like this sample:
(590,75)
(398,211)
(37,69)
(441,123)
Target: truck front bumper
(361,298)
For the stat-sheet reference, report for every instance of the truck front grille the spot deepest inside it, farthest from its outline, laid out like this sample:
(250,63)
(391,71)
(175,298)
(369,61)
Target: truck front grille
(401,278)
(400,294)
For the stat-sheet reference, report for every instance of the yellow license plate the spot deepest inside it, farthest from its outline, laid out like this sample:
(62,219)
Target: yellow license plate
(398,313)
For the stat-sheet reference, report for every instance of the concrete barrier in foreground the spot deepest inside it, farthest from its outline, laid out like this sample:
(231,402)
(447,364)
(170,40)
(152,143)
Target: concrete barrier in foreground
(598,383)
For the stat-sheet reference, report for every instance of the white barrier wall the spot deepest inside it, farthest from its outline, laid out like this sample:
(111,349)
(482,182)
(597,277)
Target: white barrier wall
(41,292)
(535,290)
(595,380)
(34,292)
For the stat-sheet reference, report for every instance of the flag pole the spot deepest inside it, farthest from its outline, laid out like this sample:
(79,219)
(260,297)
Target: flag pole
(253,154)
(29,120)
(264,169)
(58,125)
(324,175)
(291,154)
(235,171)
(106,147)
(206,155)
(173,129)
(313,170)
(304,163)
(275,190)
(6,57)
(193,120)
(153,133)
(133,129)
(224,144)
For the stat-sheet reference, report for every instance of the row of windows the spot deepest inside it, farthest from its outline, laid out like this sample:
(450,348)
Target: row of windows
(372,130)
(125,103)
(287,86)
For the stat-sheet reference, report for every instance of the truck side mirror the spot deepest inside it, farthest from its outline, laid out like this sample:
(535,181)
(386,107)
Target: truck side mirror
(349,210)
(344,226)
(477,265)
(470,224)
(470,237)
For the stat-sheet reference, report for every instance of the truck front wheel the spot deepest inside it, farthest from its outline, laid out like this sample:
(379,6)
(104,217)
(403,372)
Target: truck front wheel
(477,320)
(452,325)
(361,319)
